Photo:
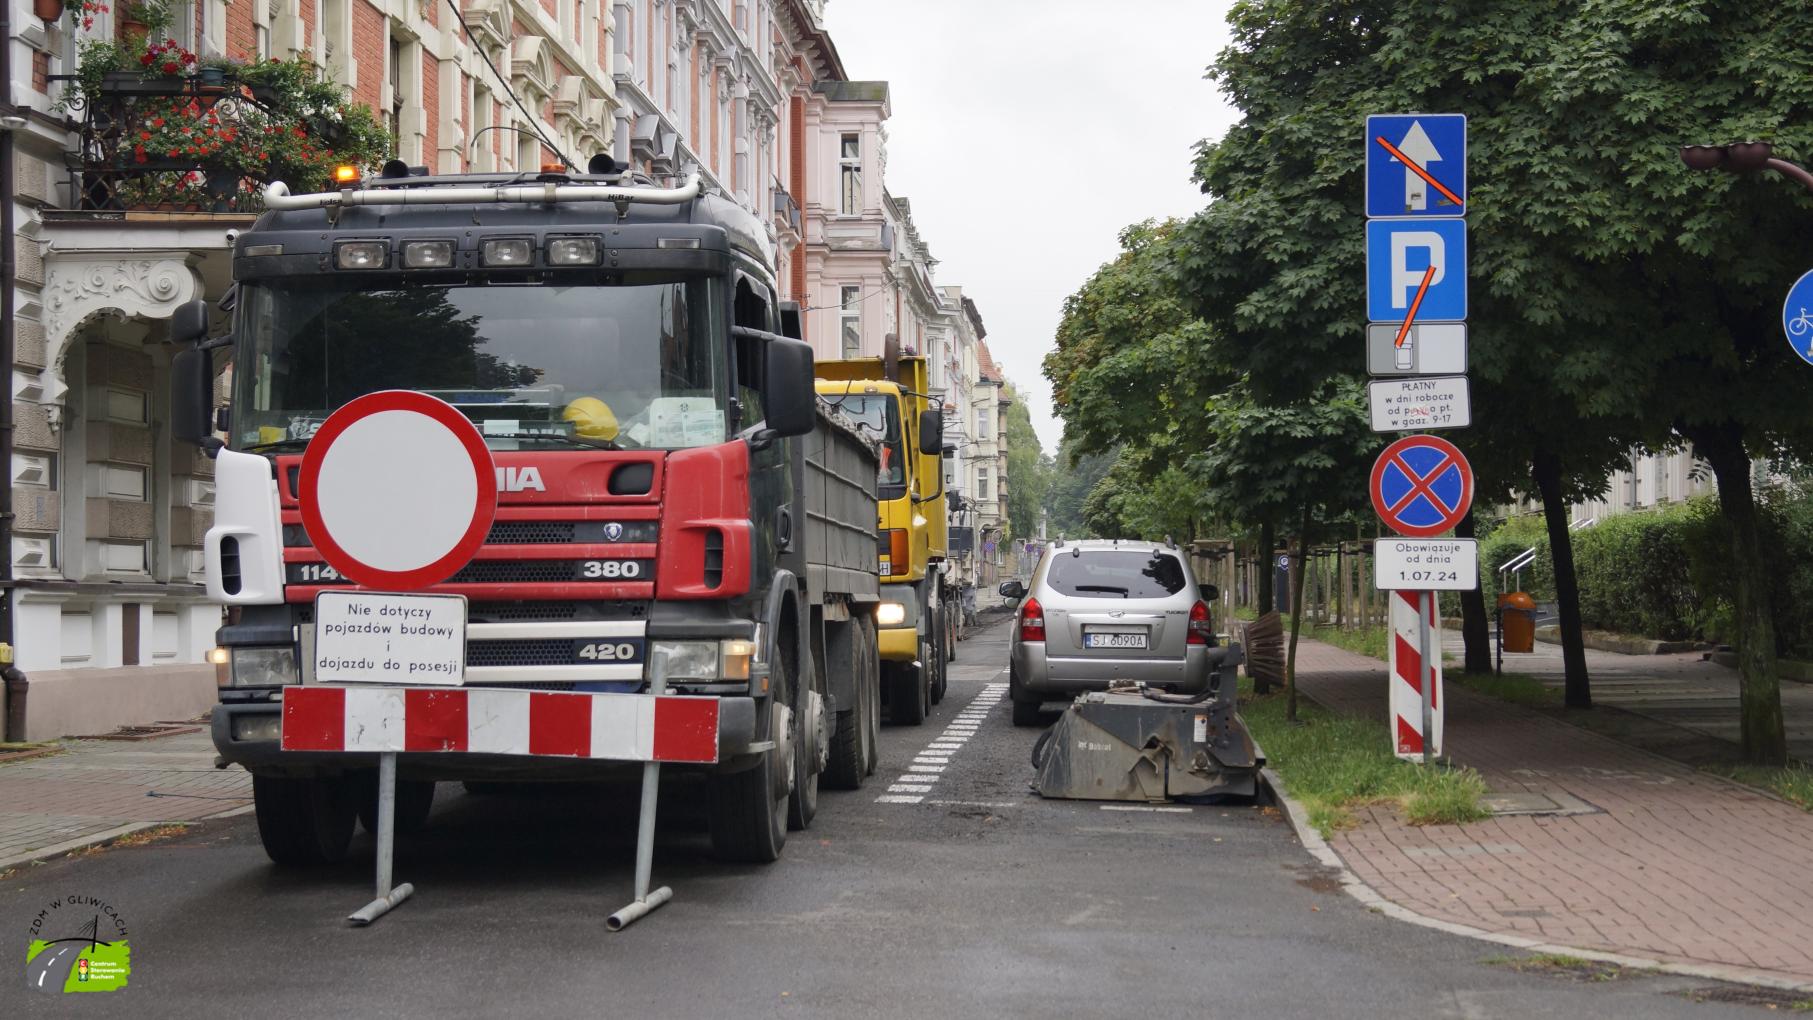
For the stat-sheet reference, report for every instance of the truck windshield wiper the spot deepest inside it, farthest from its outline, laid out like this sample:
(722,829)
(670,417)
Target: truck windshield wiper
(275,444)
(556,437)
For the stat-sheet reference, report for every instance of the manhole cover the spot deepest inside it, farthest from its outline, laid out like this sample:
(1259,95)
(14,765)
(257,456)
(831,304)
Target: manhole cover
(1552,803)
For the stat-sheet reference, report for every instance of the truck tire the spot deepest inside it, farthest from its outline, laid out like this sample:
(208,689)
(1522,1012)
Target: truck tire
(850,751)
(811,737)
(747,811)
(303,822)
(909,695)
(872,669)
(415,799)
(940,649)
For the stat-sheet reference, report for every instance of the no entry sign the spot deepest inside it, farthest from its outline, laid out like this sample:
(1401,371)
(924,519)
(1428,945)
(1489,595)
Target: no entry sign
(397,490)
(1421,486)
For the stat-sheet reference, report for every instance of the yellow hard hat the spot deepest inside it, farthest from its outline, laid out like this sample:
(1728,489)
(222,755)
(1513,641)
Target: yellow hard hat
(592,418)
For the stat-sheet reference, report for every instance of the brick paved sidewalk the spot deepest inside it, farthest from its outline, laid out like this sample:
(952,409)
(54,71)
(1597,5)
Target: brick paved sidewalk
(1673,864)
(99,789)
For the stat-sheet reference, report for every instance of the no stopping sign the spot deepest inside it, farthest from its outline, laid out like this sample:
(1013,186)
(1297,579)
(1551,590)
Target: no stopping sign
(397,490)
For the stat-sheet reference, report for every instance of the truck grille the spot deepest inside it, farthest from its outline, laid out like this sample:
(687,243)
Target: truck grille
(534,533)
(509,572)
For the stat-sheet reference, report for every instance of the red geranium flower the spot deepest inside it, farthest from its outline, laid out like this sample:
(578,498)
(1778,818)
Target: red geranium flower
(171,68)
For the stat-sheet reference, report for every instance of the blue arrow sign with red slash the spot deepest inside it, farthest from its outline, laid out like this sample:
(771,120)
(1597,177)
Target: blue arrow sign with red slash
(1421,486)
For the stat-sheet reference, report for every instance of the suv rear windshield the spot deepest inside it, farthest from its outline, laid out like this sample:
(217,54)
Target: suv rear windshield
(1114,574)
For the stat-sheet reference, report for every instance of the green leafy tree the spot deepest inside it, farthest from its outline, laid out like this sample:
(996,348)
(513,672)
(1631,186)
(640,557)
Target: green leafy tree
(1028,470)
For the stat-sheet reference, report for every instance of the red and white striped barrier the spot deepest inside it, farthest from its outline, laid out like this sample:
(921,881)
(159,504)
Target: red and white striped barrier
(1407,674)
(621,727)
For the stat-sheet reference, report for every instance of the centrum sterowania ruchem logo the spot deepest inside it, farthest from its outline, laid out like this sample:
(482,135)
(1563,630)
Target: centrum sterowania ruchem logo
(78,944)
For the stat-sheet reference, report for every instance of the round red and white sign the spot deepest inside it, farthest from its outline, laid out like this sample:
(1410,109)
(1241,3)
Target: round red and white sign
(397,490)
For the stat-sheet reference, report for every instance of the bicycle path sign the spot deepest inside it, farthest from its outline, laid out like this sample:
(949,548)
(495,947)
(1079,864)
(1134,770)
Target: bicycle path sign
(1421,486)
(1797,317)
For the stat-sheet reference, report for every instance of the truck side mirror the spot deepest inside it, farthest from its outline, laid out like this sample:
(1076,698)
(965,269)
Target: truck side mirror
(189,323)
(788,394)
(790,320)
(931,432)
(192,396)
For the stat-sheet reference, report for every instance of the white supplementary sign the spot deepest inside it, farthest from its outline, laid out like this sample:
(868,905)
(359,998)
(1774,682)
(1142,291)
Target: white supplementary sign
(1408,405)
(367,637)
(1425,564)
(1434,348)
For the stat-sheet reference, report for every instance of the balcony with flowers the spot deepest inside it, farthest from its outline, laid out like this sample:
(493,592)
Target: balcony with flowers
(161,128)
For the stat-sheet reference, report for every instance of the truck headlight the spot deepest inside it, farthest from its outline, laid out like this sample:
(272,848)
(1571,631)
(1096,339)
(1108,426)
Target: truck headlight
(688,660)
(427,254)
(890,614)
(263,667)
(737,654)
(361,254)
(573,251)
(509,251)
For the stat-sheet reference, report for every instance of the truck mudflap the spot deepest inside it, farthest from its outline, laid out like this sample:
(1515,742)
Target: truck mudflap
(1137,745)
(411,720)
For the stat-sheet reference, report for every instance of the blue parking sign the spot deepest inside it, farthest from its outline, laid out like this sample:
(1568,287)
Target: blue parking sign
(1416,164)
(1399,257)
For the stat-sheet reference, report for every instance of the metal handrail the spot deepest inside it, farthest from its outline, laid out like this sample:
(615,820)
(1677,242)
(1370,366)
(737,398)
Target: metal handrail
(277,195)
(1519,561)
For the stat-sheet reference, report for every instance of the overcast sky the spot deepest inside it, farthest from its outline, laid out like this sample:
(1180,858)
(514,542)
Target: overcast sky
(1027,133)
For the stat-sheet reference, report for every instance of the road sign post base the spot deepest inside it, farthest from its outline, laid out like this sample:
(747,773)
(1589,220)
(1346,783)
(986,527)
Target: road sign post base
(647,900)
(389,897)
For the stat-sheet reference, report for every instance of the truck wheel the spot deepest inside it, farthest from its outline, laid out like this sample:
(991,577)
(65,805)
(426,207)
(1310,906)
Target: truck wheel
(871,670)
(303,821)
(747,810)
(850,751)
(415,799)
(940,649)
(909,695)
(811,740)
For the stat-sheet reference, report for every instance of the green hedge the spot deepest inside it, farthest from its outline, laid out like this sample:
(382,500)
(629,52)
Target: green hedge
(1666,573)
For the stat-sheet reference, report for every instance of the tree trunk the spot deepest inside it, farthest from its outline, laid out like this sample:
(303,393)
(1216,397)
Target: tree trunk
(1759,688)
(1473,616)
(1547,469)
(1290,659)
(1268,541)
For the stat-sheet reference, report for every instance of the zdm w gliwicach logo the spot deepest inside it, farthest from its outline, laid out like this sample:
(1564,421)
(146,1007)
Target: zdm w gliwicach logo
(78,944)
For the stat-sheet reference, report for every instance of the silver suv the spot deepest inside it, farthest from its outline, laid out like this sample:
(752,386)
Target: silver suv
(1103,610)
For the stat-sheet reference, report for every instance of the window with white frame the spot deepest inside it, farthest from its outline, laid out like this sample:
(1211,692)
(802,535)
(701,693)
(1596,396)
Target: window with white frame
(982,417)
(851,303)
(981,483)
(849,170)
(393,119)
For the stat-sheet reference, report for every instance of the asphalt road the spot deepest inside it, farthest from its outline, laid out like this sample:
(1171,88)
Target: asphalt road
(978,899)
(49,970)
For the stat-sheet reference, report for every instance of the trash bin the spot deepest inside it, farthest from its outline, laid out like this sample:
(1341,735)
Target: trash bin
(1517,622)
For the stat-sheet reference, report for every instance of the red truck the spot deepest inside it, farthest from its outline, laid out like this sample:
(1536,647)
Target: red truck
(666,483)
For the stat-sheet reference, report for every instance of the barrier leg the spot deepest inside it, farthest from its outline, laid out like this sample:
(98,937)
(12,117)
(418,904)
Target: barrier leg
(646,900)
(388,897)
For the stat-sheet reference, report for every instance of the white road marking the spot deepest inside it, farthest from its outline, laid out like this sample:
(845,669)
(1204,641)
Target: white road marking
(977,803)
(926,759)
(943,746)
(909,788)
(933,769)
(890,798)
(1147,807)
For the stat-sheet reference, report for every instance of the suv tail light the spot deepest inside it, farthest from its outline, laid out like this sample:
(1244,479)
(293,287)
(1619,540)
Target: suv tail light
(1202,629)
(1032,621)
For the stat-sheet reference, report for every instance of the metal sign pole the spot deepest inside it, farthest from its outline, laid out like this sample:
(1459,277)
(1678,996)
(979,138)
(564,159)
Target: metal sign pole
(388,898)
(1425,610)
(646,900)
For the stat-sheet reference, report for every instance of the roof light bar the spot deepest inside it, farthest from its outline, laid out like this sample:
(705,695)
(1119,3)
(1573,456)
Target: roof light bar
(277,195)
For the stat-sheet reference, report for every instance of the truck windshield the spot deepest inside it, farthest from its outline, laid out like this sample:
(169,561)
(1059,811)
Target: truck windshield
(536,367)
(877,415)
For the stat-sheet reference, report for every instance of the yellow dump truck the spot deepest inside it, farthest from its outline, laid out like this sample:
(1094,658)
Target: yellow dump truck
(886,399)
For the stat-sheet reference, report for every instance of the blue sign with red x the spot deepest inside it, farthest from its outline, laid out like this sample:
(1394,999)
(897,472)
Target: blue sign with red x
(1421,486)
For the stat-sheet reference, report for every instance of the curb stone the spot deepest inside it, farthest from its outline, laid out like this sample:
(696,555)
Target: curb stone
(111,835)
(1354,886)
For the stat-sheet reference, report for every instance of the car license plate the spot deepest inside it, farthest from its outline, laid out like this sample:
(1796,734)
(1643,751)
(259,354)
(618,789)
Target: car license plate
(1100,640)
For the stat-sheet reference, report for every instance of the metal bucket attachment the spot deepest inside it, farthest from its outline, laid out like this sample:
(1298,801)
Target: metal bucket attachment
(1135,744)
